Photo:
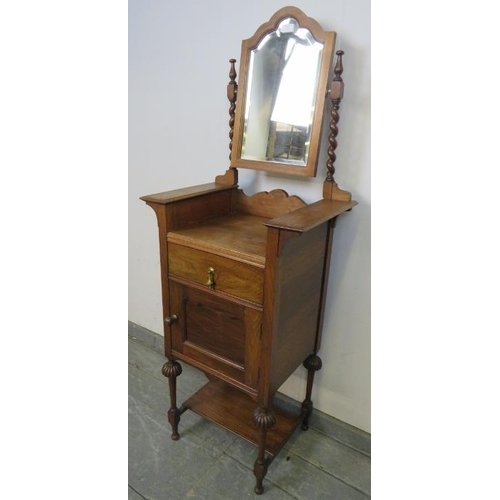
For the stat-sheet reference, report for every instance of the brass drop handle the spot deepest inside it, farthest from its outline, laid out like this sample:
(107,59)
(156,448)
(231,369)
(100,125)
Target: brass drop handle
(211,280)
(170,320)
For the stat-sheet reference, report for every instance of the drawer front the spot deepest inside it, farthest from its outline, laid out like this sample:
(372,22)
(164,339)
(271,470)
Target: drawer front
(220,335)
(229,276)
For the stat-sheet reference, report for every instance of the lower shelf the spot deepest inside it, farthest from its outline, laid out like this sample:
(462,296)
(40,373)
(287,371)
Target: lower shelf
(233,410)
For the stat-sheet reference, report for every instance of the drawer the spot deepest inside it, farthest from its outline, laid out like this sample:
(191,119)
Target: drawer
(229,276)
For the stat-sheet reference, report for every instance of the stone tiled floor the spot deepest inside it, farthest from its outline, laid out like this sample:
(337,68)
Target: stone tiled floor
(211,463)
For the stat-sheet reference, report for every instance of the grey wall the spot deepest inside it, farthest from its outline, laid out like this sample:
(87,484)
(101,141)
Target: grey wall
(178,136)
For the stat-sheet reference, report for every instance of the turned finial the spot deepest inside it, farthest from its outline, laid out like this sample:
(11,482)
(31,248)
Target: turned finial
(339,68)
(232,71)
(232,90)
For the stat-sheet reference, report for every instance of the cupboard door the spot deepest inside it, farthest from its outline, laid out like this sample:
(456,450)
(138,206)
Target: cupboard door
(221,335)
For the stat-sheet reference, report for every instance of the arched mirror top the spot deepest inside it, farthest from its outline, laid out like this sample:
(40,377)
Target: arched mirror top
(284,70)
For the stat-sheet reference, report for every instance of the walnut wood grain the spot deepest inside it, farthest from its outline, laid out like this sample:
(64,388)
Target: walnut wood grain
(295,323)
(185,193)
(331,191)
(220,334)
(234,411)
(196,210)
(215,325)
(271,302)
(232,277)
(267,204)
(164,216)
(324,284)
(253,334)
(217,293)
(229,178)
(241,237)
(216,374)
(313,215)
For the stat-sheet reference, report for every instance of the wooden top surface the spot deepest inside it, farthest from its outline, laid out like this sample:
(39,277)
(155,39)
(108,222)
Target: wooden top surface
(184,193)
(242,237)
(307,218)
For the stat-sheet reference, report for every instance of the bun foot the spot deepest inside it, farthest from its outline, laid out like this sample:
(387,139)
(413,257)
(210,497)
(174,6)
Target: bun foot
(259,490)
(304,427)
(175,437)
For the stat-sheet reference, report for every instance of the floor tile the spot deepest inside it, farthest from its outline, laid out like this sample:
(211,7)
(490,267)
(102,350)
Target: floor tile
(154,429)
(229,480)
(243,452)
(352,437)
(146,359)
(132,495)
(337,459)
(151,362)
(296,475)
(159,470)
(304,481)
(147,389)
(212,435)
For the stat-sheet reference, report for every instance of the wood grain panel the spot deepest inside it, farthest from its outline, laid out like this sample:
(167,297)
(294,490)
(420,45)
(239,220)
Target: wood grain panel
(215,325)
(241,237)
(253,328)
(235,278)
(195,210)
(232,409)
(299,288)
(218,334)
(267,204)
(176,195)
(311,216)
(218,364)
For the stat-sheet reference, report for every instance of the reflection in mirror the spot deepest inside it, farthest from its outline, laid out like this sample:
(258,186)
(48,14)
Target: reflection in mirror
(282,84)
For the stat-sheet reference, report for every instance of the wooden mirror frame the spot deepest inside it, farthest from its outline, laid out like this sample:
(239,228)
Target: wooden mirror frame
(327,38)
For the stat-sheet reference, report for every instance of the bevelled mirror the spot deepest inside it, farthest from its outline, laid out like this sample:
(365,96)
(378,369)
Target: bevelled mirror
(284,71)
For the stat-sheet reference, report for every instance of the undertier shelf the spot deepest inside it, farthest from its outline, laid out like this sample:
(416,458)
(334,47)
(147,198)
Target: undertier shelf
(232,409)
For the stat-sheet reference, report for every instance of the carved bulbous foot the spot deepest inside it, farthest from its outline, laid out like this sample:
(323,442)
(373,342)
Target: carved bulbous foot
(264,419)
(171,370)
(312,363)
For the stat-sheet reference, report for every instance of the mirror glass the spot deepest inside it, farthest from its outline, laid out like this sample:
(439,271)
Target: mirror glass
(282,84)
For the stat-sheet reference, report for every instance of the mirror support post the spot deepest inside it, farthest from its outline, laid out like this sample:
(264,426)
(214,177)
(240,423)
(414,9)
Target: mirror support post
(230,177)
(336,91)
(232,90)
(336,94)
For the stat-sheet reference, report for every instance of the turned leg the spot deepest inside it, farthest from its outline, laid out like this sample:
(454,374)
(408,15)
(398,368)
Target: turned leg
(263,420)
(171,370)
(312,363)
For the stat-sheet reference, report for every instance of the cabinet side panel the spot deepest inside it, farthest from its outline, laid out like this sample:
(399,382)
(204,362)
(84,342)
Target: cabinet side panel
(299,279)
